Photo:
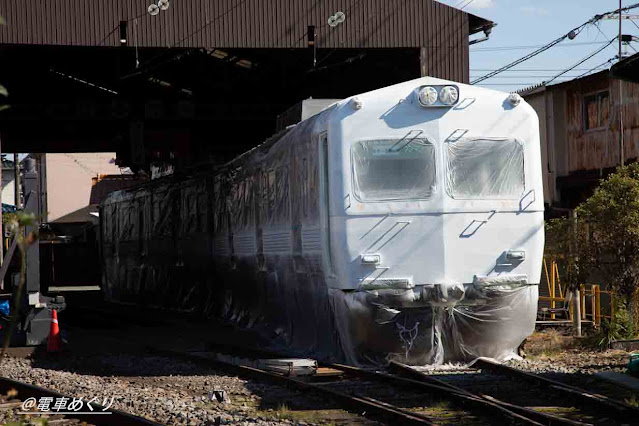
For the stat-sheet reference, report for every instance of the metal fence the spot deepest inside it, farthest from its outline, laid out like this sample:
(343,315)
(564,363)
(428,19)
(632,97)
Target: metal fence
(555,302)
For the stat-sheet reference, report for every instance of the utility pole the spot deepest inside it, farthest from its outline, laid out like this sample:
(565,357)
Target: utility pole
(576,294)
(621,147)
(16,186)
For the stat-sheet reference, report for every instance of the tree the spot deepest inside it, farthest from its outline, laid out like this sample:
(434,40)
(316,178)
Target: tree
(612,216)
(603,239)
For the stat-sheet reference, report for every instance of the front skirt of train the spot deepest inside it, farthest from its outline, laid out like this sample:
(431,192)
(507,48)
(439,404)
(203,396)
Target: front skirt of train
(481,319)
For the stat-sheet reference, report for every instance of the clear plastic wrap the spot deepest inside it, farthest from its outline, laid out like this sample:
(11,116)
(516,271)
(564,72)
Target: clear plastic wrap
(386,170)
(244,244)
(485,169)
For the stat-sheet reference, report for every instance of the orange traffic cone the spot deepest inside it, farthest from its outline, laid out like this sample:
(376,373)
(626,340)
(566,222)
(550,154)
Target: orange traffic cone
(54,342)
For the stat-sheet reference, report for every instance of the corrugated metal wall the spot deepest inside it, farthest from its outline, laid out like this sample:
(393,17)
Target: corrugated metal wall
(443,31)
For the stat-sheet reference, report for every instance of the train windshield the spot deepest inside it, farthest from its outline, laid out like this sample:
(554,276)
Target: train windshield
(393,169)
(485,169)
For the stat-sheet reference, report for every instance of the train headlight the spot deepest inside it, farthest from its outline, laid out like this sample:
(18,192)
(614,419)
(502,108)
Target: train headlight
(449,95)
(427,96)
(514,99)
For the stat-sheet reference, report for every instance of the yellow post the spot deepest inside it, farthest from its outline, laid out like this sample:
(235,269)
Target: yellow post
(552,298)
(558,281)
(598,306)
(547,275)
(593,307)
(582,298)
(612,304)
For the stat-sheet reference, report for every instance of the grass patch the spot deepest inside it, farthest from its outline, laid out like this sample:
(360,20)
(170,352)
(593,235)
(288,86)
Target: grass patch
(547,343)
(284,412)
(440,405)
(632,401)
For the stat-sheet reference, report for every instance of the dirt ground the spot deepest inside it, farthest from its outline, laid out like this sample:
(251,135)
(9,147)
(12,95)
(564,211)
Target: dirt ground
(565,350)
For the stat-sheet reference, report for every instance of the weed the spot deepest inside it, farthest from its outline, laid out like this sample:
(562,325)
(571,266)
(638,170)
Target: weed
(620,327)
(547,343)
(633,401)
(440,405)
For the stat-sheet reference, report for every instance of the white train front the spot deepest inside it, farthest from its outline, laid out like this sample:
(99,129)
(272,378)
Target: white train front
(404,223)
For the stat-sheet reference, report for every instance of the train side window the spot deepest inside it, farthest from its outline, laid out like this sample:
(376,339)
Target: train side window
(485,169)
(393,169)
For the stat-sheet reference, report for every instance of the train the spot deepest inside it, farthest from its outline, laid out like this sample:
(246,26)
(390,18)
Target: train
(405,224)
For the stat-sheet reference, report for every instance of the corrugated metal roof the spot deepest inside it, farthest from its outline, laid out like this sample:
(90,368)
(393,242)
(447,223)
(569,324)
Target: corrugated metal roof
(239,23)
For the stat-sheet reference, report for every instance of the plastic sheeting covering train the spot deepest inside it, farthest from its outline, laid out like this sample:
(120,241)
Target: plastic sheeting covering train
(392,225)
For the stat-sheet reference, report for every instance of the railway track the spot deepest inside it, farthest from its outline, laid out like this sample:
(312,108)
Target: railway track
(403,395)
(14,393)
(569,404)
(481,393)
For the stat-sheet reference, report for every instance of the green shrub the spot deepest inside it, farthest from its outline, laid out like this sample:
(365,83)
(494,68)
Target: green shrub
(620,327)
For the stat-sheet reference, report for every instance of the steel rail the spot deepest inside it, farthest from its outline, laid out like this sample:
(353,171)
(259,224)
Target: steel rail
(480,403)
(360,405)
(543,418)
(116,418)
(589,399)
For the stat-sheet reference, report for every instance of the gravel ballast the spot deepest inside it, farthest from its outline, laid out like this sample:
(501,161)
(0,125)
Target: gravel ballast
(118,363)
(158,388)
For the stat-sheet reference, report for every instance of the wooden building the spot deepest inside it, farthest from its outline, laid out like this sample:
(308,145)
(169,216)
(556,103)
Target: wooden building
(579,125)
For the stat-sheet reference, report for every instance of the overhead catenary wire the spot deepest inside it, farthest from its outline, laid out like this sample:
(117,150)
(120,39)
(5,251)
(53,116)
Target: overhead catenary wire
(570,34)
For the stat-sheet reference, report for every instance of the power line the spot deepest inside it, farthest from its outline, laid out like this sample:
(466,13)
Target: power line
(582,61)
(537,76)
(570,34)
(525,58)
(527,69)
(601,32)
(118,26)
(466,5)
(509,84)
(597,67)
(107,36)
(507,48)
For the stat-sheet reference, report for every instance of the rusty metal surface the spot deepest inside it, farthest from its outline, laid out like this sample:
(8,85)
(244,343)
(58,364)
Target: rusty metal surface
(441,31)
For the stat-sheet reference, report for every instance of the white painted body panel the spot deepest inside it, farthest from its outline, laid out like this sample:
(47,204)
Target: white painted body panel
(441,239)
